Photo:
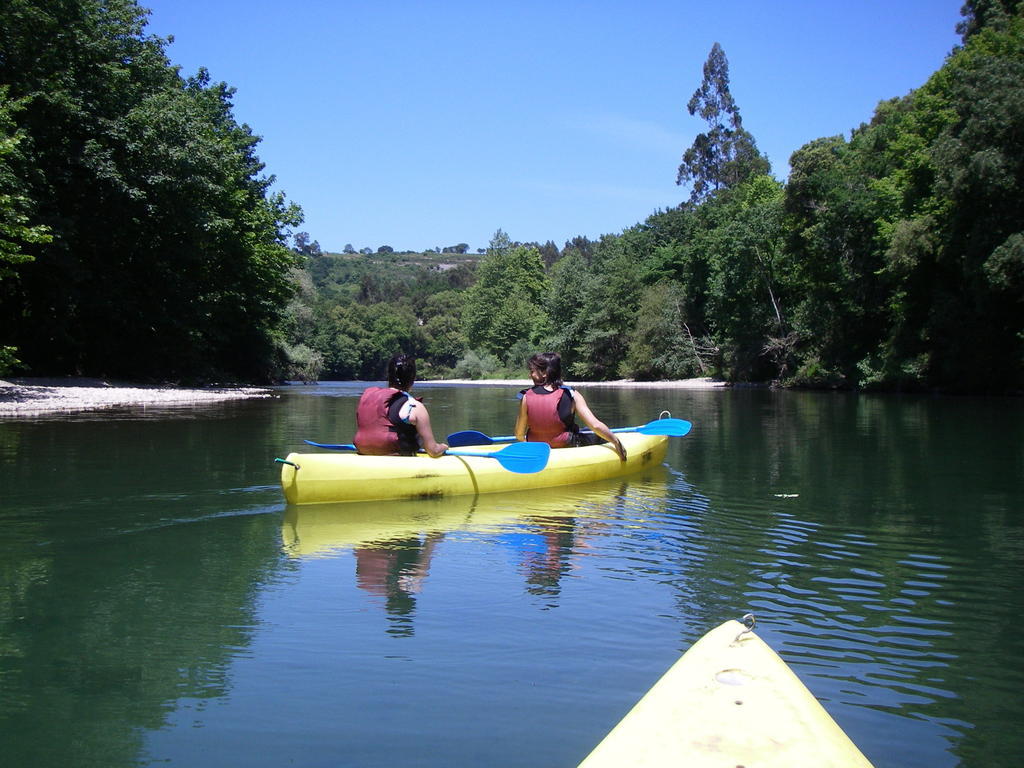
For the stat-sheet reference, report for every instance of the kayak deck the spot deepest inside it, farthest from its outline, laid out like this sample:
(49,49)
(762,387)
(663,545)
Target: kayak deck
(728,701)
(317,478)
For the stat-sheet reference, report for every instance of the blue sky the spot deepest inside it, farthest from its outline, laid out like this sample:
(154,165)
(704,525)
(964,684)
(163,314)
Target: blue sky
(427,124)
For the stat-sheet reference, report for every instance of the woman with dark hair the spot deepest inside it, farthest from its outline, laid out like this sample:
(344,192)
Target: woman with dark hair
(548,409)
(391,421)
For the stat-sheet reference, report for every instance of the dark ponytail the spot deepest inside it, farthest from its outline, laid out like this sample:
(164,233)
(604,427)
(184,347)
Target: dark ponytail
(548,364)
(401,371)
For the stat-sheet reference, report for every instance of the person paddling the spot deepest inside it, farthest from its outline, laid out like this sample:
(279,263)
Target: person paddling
(390,421)
(548,409)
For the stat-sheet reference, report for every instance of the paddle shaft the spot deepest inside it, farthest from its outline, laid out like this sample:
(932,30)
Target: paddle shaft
(667,427)
(524,458)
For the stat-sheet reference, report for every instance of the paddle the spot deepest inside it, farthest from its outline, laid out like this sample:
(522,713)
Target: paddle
(666,427)
(332,446)
(523,458)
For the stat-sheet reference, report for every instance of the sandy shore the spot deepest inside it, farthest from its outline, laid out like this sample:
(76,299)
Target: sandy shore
(31,396)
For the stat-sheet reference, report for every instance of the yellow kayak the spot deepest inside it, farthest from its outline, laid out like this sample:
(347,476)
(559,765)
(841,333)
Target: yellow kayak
(317,478)
(728,701)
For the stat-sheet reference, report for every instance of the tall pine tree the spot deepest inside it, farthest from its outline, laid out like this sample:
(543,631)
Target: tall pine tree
(727,154)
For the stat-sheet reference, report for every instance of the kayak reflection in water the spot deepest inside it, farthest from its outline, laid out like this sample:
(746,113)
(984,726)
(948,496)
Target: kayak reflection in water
(548,410)
(391,421)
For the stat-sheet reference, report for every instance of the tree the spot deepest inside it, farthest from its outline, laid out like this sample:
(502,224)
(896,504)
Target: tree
(831,207)
(906,240)
(974,215)
(506,303)
(746,281)
(549,253)
(17,232)
(661,345)
(726,155)
(978,14)
(304,246)
(598,332)
(441,328)
(168,256)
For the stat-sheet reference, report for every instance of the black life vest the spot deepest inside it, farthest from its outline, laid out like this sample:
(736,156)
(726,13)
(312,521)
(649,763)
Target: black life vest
(378,431)
(549,416)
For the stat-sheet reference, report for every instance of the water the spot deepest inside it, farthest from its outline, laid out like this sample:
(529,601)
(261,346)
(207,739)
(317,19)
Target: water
(159,604)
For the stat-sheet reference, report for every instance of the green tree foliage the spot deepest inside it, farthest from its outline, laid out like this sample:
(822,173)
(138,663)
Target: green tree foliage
(304,364)
(964,238)
(660,346)
(979,14)
(356,311)
(168,255)
(597,336)
(719,273)
(442,329)
(16,209)
(745,297)
(727,154)
(357,340)
(892,258)
(17,233)
(906,238)
(505,304)
(832,241)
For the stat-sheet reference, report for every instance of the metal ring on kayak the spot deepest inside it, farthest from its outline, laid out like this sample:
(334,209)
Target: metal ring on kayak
(749,620)
(665,415)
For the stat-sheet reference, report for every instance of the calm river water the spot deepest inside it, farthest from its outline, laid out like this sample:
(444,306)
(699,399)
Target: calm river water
(160,604)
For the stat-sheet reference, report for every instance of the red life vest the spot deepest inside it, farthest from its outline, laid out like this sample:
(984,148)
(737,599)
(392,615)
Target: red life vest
(376,433)
(545,425)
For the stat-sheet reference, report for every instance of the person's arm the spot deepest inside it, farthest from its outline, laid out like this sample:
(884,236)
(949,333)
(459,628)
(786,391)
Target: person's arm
(587,417)
(521,423)
(420,418)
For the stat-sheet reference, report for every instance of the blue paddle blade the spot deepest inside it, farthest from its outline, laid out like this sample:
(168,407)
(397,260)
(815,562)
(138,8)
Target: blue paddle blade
(668,427)
(523,458)
(468,437)
(472,437)
(331,446)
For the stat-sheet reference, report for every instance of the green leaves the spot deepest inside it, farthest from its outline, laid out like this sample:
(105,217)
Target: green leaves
(727,154)
(168,256)
(17,231)
(506,302)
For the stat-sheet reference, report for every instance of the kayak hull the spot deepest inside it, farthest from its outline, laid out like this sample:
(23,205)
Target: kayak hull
(728,701)
(318,478)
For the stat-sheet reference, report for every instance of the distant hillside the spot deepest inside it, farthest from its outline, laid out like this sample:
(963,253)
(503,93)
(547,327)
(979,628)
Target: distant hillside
(428,260)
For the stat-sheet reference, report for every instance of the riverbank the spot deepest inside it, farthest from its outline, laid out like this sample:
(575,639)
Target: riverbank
(34,396)
(703,383)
